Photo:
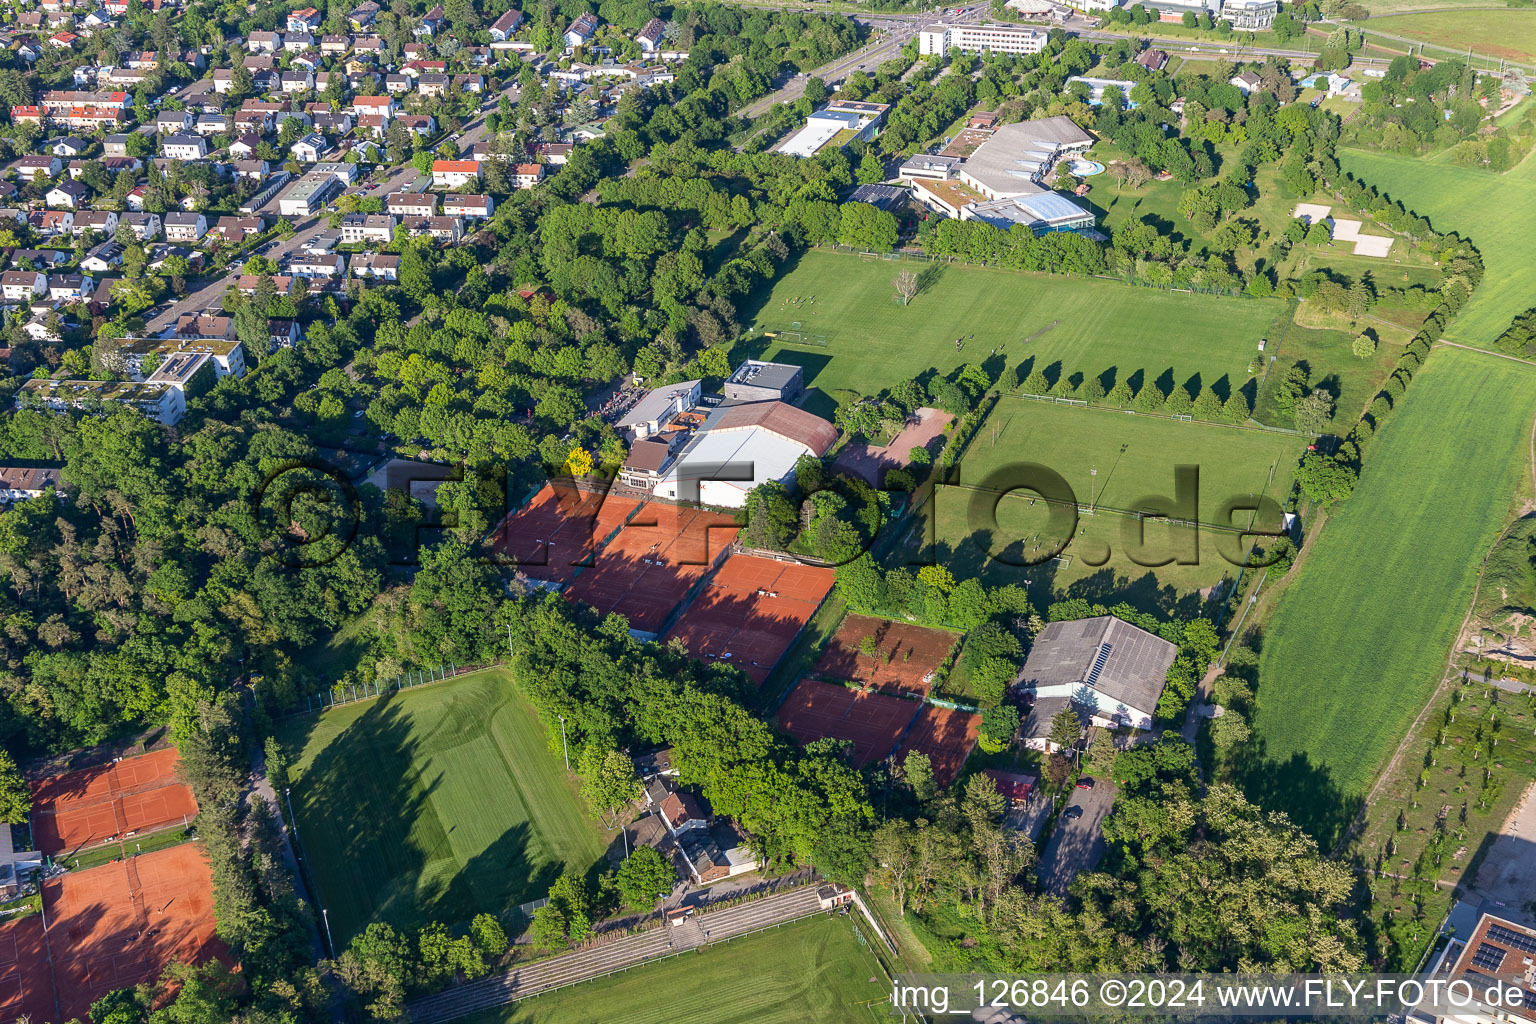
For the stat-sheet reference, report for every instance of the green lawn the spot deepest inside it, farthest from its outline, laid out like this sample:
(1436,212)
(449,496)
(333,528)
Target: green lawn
(1135,457)
(1078,325)
(815,971)
(434,804)
(1510,35)
(1353,381)
(1497,212)
(1357,644)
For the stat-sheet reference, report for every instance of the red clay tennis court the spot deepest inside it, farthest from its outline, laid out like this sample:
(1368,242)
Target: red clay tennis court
(905,658)
(558,531)
(117,925)
(872,722)
(946,736)
(750,612)
(652,562)
(26,986)
(91,806)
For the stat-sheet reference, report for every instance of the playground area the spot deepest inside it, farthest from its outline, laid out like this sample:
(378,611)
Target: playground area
(97,805)
(750,612)
(109,927)
(652,562)
(558,531)
(894,657)
(869,462)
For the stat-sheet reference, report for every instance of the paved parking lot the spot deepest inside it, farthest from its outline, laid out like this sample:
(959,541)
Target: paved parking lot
(1076,844)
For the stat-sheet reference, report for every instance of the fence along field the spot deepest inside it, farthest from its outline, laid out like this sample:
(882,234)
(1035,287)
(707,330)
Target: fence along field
(1360,639)
(816,969)
(1089,325)
(393,813)
(1135,457)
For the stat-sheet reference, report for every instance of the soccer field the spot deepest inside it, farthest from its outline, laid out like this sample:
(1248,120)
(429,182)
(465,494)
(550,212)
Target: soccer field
(1135,457)
(434,804)
(1359,641)
(1496,211)
(815,971)
(1086,325)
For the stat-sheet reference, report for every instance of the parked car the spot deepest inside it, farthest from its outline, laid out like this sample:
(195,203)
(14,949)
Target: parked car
(1085,783)
(1072,812)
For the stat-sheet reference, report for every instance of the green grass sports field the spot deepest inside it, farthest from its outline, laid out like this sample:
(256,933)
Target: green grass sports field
(1510,35)
(1135,457)
(1359,641)
(434,804)
(1496,211)
(1088,325)
(814,971)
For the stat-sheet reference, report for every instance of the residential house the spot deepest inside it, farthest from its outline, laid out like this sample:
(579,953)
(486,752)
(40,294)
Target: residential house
(527,175)
(398,84)
(257,169)
(649,37)
(503,27)
(184,147)
(173,122)
(419,124)
(376,267)
(1246,81)
(310,149)
(38,167)
(23,285)
(468,207)
(159,401)
(455,173)
(368,227)
(307,19)
(296,81)
(68,146)
(364,14)
(103,258)
(580,30)
(211,124)
(244,146)
(330,265)
(52,223)
(185,227)
(66,195)
(198,325)
(411,204)
(103,222)
(146,227)
(69,287)
(237,229)
(23,483)
(263,42)
(444,229)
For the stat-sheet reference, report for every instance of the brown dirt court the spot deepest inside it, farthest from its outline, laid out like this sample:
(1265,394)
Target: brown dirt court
(559,530)
(109,927)
(908,655)
(872,722)
(750,612)
(869,462)
(946,736)
(652,562)
(92,806)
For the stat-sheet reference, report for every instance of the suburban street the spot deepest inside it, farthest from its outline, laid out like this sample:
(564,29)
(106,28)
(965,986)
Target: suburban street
(1076,844)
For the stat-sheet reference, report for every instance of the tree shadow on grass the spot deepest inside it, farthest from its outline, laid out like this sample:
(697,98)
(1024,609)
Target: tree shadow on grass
(1304,791)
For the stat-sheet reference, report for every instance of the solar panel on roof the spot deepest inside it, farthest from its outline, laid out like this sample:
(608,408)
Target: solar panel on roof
(1488,956)
(1511,938)
(1098,663)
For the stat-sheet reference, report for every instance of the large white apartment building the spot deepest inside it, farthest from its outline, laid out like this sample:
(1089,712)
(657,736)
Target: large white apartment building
(1018,39)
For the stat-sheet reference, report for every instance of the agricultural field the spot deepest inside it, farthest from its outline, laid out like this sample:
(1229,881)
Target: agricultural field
(434,804)
(1135,456)
(1496,211)
(1509,35)
(813,971)
(1084,325)
(1382,8)
(1359,641)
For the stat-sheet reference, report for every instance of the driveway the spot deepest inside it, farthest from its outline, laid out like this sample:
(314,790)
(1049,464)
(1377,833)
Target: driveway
(1030,816)
(1077,844)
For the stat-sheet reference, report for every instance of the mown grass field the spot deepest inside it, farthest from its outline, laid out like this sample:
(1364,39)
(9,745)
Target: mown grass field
(1087,326)
(1135,457)
(814,971)
(1359,641)
(434,804)
(1507,34)
(1496,211)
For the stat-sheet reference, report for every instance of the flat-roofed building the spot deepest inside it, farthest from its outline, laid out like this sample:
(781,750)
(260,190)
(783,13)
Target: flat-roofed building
(936,40)
(835,126)
(159,401)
